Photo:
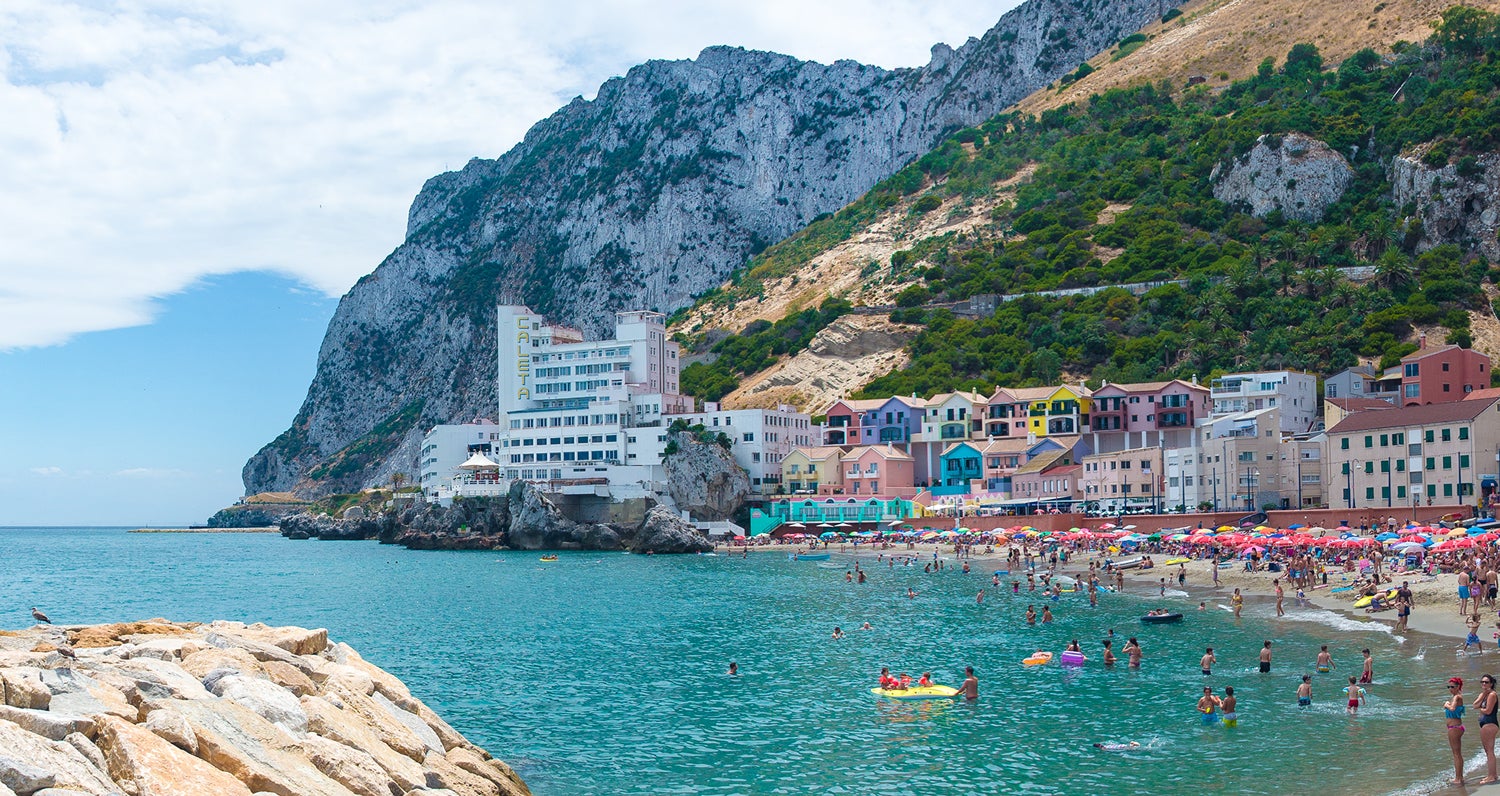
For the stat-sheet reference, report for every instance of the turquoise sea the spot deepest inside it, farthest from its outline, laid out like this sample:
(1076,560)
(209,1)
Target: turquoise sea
(606,673)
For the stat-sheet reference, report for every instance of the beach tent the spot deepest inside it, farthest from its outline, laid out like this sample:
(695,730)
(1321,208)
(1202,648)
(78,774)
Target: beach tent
(478,462)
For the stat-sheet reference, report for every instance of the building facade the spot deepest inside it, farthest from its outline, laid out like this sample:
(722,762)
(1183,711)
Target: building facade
(1293,394)
(762,438)
(1441,453)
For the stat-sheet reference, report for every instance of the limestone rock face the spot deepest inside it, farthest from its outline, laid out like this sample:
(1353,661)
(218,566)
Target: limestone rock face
(537,524)
(227,709)
(664,531)
(1453,207)
(642,198)
(704,479)
(1298,175)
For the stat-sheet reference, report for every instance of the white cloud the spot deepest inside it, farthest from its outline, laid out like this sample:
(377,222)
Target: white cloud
(154,473)
(151,144)
(47,472)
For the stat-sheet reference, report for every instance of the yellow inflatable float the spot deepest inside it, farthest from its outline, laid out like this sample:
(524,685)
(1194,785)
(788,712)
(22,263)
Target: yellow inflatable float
(917,692)
(1038,659)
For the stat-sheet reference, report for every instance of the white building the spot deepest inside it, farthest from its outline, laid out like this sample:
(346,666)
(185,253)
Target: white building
(1294,394)
(445,447)
(762,437)
(585,413)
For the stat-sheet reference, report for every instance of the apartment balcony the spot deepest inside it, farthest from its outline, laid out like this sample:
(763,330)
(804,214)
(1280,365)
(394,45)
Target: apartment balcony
(955,431)
(835,436)
(894,434)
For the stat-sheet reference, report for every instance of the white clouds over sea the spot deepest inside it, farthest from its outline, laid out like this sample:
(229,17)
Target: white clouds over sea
(147,145)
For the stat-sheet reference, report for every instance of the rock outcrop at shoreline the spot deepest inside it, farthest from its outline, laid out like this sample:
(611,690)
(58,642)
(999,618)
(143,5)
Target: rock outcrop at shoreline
(159,708)
(524,519)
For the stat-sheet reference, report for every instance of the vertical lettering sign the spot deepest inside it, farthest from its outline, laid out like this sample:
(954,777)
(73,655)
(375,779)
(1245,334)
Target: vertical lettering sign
(523,356)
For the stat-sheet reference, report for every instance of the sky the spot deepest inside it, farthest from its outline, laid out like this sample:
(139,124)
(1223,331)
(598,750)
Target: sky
(187,188)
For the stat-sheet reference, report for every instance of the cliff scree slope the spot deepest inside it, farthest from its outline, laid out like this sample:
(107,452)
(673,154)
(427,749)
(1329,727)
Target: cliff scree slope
(646,196)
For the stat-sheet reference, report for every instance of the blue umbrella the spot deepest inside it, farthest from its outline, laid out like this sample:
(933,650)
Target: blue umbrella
(1387,536)
(827,534)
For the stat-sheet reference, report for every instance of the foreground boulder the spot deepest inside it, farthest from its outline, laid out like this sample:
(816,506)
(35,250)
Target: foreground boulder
(664,531)
(161,708)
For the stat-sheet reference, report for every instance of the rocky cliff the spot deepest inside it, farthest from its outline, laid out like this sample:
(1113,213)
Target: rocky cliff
(158,708)
(1455,203)
(702,476)
(1295,174)
(644,197)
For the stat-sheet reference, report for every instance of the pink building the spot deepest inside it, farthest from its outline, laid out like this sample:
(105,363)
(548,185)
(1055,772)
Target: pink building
(1145,415)
(853,422)
(1051,482)
(875,470)
(1444,374)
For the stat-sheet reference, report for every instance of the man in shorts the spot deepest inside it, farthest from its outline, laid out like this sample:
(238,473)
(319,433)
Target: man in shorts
(1265,658)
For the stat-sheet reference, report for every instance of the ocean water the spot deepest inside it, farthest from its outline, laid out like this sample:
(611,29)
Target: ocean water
(605,673)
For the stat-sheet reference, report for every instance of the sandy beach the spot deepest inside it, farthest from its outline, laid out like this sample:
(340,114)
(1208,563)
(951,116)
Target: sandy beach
(1436,598)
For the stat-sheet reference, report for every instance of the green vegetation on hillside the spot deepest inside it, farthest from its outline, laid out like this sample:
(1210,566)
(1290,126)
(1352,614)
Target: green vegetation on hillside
(1259,293)
(754,349)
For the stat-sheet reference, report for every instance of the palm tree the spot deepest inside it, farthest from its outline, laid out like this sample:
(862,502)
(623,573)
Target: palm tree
(398,480)
(1286,271)
(1394,271)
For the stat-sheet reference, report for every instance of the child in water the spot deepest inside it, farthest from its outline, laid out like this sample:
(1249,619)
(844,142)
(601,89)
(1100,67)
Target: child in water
(1356,696)
(1304,692)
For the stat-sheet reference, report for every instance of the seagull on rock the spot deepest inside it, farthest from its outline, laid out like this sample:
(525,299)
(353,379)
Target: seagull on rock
(39,616)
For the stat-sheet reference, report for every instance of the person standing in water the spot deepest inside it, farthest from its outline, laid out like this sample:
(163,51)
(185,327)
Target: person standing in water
(1208,661)
(1485,705)
(1109,654)
(1133,652)
(970,689)
(1304,692)
(1228,703)
(1265,658)
(1453,719)
(1279,594)
(1356,697)
(1208,706)
(1237,601)
(1325,660)
(1046,615)
(1368,675)
(1030,614)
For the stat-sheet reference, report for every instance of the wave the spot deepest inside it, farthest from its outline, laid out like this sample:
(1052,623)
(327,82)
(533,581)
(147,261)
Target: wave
(1338,621)
(1439,782)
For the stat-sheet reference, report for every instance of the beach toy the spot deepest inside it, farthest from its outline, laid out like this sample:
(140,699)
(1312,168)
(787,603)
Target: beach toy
(1071,658)
(1161,619)
(1175,561)
(811,557)
(549,559)
(1002,572)
(1038,659)
(917,692)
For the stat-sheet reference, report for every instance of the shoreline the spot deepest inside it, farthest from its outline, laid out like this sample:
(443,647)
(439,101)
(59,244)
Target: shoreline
(1435,612)
(272,529)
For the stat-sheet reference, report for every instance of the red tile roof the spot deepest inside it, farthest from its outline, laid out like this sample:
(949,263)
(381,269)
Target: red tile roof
(1406,416)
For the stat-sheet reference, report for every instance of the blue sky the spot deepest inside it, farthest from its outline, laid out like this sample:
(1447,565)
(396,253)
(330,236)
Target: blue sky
(186,189)
(150,425)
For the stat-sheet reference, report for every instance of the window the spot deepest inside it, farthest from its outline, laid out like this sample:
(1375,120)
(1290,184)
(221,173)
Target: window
(1447,462)
(1369,441)
(1384,440)
(1411,369)
(1369,493)
(1411,390)
(1369,467)
(1463,432)
(1400,465)
(1398,438)
(1385,465)
(749,437)
(1463,460)
(1400,492)
(1344,443)
(1447,435)
(1431,463)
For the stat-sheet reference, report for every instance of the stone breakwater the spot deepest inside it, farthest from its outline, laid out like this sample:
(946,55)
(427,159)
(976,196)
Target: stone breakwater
(159,708)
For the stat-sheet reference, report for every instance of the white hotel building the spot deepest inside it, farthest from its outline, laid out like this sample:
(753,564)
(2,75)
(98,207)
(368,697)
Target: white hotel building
(762,437)
(590,416)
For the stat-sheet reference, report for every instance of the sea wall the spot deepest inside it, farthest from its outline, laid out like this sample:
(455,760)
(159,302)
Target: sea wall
(159,708)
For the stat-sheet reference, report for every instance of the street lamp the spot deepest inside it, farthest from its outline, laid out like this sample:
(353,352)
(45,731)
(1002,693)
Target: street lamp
(1252,486)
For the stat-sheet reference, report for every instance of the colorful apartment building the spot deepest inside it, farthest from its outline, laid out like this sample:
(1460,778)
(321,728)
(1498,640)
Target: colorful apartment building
(806,470)
(1159,413)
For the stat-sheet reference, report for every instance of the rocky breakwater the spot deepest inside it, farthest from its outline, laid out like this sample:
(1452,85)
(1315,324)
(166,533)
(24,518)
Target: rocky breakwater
(159,708)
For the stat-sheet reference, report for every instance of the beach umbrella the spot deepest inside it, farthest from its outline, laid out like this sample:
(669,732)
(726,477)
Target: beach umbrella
(1226,528)
(1387,536)
(1488,536)
(1295,527)
(1200,539)
(761,536)
(827,534)
(1178,537)
(1283,542)
(1343,528)
(1254,548)
(795,525)
(1407,547)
